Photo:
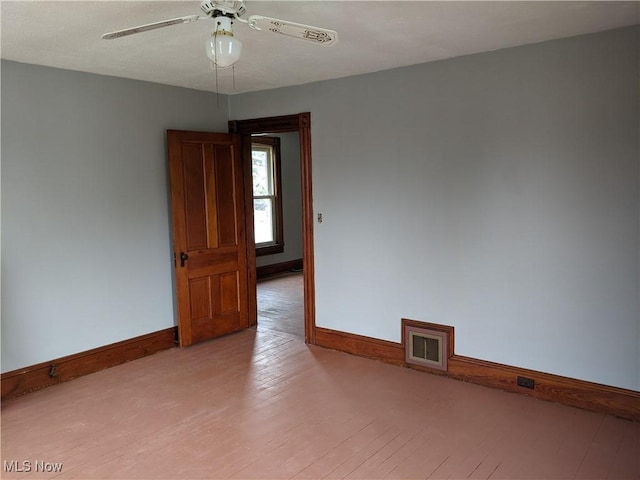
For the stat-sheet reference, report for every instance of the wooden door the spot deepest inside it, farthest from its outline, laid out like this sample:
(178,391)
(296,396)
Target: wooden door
(209,237)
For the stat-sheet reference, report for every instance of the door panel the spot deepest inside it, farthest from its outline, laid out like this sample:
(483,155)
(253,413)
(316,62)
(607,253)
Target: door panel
(207,200)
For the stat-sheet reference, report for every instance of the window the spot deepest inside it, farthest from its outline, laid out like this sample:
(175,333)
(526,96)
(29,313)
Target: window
(267,200)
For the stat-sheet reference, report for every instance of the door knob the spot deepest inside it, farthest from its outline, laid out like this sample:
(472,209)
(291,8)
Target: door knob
(183,258)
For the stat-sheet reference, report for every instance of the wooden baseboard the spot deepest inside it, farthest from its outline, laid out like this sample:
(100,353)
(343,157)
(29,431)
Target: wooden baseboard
(555,388)
(568,391)
(35,377)
(279,268)
(389,352)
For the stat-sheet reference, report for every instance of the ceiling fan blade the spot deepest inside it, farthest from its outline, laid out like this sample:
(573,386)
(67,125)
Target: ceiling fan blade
(150,26)
(317,35)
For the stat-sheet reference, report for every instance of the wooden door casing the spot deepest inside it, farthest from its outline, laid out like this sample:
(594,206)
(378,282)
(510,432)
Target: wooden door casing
(209,236)
(300,123)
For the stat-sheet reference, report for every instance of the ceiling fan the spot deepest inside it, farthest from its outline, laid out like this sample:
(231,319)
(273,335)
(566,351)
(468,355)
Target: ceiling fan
(223,49)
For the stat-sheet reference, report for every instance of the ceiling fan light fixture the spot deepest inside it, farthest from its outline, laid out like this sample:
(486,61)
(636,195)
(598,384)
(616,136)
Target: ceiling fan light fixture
(223,49)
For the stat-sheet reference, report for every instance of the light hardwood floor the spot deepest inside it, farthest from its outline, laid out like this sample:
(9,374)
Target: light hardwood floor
(281,304)
(262,404)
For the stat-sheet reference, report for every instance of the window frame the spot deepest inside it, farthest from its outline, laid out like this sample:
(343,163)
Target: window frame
(277,246)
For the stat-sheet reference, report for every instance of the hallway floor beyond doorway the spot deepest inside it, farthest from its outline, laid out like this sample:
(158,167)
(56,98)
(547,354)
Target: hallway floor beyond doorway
(281,304)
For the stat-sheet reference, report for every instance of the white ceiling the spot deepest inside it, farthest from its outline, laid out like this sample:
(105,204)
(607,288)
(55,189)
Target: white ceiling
(373,36)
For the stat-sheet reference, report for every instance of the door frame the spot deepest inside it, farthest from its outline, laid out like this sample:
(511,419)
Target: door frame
(300,123)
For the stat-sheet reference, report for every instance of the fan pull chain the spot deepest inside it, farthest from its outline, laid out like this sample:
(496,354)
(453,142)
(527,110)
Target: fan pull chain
(217,89)
(215,66)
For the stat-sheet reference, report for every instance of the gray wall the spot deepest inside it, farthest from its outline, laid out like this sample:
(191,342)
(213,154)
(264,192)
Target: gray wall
(498,193)
(86,255)
(291,201)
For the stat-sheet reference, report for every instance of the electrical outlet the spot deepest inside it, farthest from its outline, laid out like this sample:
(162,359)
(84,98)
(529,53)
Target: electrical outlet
(526,382)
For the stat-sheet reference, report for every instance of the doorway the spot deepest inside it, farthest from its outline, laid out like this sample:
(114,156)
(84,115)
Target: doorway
(300,123)
(277,210)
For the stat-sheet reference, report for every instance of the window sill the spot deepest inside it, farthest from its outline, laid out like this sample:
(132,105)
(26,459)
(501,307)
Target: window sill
(269,249)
